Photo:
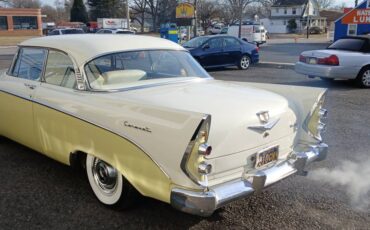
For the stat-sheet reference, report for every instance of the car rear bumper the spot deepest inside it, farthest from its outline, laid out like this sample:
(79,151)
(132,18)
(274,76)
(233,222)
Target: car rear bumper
(334,72)
(204,203)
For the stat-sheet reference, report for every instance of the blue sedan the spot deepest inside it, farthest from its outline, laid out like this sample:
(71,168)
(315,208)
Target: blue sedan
(222,51)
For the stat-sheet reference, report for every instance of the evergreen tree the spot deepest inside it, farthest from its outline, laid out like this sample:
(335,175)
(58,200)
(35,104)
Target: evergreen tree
(78,12)
(107,9)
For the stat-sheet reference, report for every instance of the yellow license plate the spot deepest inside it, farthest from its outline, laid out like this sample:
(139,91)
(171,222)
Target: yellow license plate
(312,61)
(267,156)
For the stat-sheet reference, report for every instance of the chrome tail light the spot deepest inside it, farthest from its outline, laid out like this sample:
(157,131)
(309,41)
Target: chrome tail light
(194,163)
(314,124)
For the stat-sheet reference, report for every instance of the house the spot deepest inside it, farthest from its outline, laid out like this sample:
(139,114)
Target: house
(20,22)
(331,16)
(355,22)
(301,11)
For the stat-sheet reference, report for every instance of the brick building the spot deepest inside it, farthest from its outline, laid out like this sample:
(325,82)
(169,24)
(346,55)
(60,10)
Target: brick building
(19,21)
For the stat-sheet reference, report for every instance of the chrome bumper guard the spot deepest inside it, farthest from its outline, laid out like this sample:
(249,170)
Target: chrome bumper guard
(205,203)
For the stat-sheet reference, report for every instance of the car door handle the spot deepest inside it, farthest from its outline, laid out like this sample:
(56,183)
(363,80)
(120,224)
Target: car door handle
(30,86)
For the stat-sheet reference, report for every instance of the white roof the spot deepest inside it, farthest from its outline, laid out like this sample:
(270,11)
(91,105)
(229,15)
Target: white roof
(84,47)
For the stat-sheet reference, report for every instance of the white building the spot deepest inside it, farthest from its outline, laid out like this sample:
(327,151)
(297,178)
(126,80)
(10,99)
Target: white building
(300,11)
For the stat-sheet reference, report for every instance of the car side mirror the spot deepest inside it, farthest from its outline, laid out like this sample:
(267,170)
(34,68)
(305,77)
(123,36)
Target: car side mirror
(205,47)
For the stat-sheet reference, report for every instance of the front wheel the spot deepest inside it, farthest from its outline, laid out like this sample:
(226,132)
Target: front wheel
(108,185)
(363,78)
(244,62)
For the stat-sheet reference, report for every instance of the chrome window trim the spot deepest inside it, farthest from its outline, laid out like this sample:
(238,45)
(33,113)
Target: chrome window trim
(133,87)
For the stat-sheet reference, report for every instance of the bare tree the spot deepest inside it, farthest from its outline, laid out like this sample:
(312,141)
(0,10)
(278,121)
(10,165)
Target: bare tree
(206,11)
(25,3)
(324,4)
(238,6)
(138,10)
(153,10)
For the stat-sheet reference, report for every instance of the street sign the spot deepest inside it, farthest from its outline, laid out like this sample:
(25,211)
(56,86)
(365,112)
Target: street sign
(185,10)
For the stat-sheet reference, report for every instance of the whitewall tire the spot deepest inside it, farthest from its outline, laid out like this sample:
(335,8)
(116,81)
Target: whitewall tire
(108,185)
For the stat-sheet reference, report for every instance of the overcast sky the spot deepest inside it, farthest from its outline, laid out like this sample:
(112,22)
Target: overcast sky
(338,2)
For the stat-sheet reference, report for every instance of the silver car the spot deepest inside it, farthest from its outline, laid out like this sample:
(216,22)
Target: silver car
(347,58)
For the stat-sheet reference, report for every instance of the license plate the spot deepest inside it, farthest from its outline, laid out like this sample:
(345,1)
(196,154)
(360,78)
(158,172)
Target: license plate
(312,61)
(267,156)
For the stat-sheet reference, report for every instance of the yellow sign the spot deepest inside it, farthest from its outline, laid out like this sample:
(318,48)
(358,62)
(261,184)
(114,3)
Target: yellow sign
(185,10)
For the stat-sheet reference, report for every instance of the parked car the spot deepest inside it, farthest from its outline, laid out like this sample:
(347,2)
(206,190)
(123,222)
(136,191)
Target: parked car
(347,58)
(224,30)
(140,115)
(115,31)
(315,30)
(66,31)
(216,29)
(222,51)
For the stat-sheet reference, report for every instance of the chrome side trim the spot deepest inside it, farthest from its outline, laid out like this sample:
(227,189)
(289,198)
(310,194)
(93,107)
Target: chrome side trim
(91,123)
(204,203)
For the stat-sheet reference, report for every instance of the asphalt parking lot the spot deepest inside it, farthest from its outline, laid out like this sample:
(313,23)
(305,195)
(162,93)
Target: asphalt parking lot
(39,193)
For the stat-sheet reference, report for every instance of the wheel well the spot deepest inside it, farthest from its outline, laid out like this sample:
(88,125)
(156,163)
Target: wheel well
(77,160)
(363,68)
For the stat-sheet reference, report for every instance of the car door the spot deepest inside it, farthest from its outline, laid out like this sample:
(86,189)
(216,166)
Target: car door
(17,88)
(232,50)
(212,52)
(56,102)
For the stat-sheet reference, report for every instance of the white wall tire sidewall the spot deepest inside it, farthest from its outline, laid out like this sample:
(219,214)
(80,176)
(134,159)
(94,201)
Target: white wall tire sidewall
(107,199)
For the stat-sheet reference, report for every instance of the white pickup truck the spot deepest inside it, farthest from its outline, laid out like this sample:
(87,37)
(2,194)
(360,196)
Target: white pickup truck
(347,58)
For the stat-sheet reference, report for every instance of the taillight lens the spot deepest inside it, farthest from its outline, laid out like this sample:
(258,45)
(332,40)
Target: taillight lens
(331,60)
(313,123)
(257,49)
(302,58)
(194,163)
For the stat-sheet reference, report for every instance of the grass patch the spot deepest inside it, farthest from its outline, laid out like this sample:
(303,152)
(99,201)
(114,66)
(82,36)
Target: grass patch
(13,40)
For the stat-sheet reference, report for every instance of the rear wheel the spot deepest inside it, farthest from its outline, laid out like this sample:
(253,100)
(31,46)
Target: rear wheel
(363,78)
(244,62)
(108,185)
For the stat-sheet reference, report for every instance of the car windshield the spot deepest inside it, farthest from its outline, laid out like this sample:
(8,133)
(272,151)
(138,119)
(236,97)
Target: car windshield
(349,44)
(127,69)
(195,42)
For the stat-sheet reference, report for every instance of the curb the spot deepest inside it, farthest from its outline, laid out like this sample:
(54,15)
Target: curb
(277,65)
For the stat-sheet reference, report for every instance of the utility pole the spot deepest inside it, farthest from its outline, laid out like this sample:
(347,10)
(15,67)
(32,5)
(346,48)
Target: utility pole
(195,18)
(128,14)
(240,18)
(308,20)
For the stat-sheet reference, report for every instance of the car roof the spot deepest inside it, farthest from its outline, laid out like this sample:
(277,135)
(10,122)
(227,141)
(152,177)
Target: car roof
(360,36)
(84,47)
(219,36)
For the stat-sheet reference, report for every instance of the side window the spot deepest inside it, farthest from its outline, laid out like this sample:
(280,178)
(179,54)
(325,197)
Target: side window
(215,43)
(29,64)
(231,42)
(59,70)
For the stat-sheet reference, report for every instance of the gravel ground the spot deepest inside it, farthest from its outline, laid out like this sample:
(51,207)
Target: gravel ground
(39,193)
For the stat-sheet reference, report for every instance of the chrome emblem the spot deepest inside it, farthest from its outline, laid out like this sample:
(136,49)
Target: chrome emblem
(263,116)
(266,125)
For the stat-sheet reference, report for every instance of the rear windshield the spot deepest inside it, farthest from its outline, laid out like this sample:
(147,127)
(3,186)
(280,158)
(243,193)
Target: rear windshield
(72,31)
(350,44)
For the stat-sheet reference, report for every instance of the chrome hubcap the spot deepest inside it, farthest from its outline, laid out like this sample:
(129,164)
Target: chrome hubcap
(105,176)
(366,78)
(244,63)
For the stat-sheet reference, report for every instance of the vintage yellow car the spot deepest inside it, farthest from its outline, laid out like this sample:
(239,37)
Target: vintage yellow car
(141,116)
